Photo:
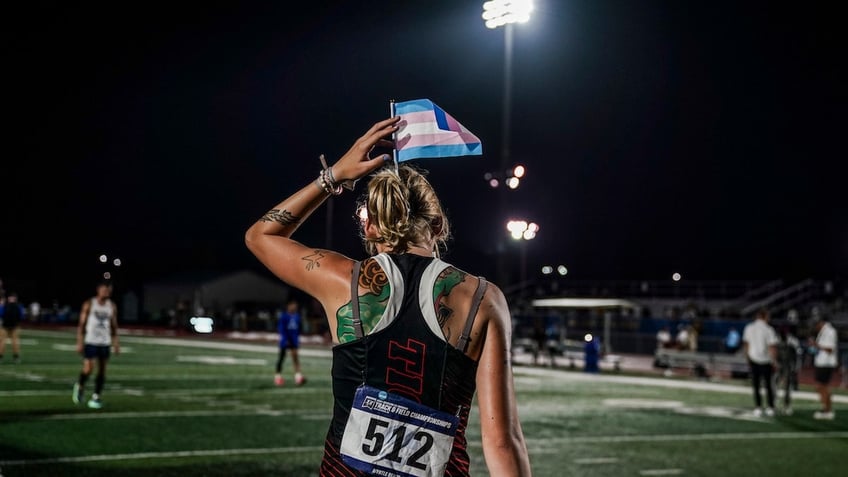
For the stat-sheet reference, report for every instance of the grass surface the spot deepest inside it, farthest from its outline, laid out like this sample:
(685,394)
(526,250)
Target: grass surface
(197,407)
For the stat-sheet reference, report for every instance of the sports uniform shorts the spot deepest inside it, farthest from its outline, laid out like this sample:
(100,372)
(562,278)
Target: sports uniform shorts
(96,351)
(823,374)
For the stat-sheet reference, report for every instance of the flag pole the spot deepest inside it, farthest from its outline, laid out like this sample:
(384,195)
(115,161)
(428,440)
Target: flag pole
(394,135)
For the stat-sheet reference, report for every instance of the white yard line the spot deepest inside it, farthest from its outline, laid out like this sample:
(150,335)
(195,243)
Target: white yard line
(661,472)
(558,442)
(247,411)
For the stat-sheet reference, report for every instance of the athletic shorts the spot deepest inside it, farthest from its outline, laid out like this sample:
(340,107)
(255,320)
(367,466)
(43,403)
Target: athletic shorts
(290,340)
(823,374)
(96,351)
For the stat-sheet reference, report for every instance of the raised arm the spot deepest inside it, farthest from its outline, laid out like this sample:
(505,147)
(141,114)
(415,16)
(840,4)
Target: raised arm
(503,439)
(315,271)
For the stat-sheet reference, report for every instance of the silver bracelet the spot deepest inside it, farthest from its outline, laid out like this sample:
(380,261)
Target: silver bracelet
(325,182)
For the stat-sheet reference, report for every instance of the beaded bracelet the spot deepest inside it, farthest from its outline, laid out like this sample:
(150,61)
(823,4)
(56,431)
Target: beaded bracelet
(325,182)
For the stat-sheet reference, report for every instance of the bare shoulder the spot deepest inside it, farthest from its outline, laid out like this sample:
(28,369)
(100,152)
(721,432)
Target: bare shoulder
(494,305)
(453,294)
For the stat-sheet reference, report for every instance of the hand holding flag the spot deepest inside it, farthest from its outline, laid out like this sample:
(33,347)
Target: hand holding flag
(426,130)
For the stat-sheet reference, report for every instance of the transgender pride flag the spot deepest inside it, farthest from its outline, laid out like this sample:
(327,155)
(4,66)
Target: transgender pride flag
(426,130)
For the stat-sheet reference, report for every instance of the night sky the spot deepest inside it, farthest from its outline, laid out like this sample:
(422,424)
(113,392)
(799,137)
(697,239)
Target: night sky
(705,138)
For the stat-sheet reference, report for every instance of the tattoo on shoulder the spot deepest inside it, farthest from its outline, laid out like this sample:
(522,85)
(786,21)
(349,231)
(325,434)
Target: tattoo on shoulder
(282,217)
(313,260)
(445,283)
(372,304)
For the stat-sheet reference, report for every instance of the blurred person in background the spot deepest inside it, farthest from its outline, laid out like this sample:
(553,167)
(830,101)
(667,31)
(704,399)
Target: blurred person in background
(289,324)
(733,340)
(664,338)
(97,333)
(788,349)
(11,315)
(759,341)
(824,346)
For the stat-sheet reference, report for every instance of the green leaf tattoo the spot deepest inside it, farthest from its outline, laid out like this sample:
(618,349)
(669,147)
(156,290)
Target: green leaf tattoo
(445,282)
(372,304)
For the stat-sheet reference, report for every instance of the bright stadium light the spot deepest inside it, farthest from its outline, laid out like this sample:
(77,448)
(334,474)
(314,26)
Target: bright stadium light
(103,258)
(521,229)
(676,277)
(547,270)
(518,171)
(498,13)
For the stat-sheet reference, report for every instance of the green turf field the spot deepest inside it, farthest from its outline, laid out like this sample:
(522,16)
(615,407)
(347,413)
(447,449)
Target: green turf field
(198,407)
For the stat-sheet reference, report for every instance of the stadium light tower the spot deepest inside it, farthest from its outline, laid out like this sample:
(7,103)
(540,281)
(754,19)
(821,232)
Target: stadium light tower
(522,231)
(505,13)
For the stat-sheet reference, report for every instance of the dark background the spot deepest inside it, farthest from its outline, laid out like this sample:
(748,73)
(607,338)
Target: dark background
(705,138)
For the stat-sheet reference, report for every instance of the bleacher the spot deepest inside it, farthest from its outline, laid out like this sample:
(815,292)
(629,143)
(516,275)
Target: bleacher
(702,364)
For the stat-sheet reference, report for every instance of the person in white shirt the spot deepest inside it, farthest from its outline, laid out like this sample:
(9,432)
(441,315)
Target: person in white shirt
(759,341)
(664,338)
(825,362)
(97,334)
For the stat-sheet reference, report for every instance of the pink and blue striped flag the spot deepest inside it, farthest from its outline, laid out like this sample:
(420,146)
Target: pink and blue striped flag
(426,130)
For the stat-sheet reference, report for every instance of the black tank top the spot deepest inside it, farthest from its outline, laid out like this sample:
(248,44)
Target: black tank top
(406,358)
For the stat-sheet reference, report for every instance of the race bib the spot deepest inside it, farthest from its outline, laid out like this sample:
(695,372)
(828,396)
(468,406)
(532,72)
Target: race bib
(392,436)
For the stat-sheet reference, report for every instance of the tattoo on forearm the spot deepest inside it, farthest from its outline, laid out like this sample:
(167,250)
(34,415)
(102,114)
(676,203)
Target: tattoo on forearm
(313,260)
(282,217)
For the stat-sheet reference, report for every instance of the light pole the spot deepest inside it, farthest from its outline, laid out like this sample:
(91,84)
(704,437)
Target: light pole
(522,231)
(504,13)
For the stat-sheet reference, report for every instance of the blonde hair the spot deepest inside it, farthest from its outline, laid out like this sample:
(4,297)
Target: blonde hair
(405,210)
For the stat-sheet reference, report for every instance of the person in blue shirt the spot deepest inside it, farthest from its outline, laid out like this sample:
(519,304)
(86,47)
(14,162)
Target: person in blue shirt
(592,353)
(288,326)
(733,340)
(11,314)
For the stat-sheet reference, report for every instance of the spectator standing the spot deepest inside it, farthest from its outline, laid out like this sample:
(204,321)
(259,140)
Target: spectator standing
(664,338)
(289,325)
(11,315)
(733,341)
(591,353)
(682,337)
(824,362)
(787,366)
(760,343)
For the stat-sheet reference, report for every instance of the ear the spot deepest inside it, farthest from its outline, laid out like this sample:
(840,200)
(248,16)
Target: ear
(436,226)
(370,230)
